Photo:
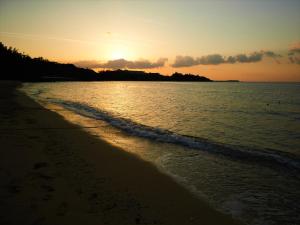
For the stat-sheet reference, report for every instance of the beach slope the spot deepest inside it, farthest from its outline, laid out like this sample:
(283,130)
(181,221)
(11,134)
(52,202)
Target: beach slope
(53,172)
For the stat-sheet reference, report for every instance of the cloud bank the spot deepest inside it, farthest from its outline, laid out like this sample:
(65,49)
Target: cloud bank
(189,61)
(123,64)
(294,53)
(87,63)
(216,59)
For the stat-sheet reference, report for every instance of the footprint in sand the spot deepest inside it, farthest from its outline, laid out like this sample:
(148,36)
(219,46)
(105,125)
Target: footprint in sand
(62,209)
(30,121)
(33,137)
(14,189)
(44,176)
(48,188)
(38,221)
(39,165)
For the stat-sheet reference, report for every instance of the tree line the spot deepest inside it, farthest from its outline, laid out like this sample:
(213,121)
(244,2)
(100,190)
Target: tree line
(21,67)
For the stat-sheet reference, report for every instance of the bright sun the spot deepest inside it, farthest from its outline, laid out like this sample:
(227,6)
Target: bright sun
(118,54)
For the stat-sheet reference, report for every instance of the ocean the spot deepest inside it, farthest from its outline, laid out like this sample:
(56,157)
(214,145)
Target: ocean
(235,145)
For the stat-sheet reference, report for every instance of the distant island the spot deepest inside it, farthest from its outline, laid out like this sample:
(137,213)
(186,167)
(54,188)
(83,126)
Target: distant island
(21,67)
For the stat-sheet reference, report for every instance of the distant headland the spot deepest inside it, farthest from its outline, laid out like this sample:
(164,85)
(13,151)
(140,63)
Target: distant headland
(21,67)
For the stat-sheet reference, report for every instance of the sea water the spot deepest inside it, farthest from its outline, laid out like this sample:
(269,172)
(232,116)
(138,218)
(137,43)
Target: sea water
(236,145)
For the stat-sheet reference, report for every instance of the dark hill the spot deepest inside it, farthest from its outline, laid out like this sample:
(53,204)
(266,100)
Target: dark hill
(131,75)
(18,66)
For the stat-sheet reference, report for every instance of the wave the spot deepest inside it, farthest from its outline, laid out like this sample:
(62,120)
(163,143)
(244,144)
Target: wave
(269,157)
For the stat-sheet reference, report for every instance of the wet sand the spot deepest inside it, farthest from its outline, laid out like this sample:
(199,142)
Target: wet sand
(53,172)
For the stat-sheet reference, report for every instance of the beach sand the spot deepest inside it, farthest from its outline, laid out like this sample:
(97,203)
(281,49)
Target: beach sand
(53,172)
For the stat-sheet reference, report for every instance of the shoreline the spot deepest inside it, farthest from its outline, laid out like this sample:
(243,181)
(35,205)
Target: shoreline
(54,172)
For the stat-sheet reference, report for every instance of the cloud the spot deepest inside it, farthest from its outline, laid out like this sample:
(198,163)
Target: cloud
(87,63)
(294,59)
(114,64)
(295,48)
(123,63)
(271,54)
(145,64)
(254,57)
(231,59)
(184,61)
(216,59)
(294,53)
(187,61)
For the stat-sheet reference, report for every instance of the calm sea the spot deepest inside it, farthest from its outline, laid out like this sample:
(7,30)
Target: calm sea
(236,145)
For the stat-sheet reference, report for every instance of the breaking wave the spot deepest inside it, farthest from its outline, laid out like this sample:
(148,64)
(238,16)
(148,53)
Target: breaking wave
(267,157)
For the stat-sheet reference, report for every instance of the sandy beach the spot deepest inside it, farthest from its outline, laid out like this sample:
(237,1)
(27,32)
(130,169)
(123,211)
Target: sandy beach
(53,172)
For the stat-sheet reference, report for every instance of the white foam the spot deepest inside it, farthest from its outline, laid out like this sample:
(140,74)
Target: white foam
(266,157)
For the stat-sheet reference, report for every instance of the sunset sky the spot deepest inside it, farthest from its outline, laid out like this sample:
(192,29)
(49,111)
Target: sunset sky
(238,39)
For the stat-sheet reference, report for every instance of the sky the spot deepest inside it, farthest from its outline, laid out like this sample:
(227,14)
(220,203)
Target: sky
(223,40)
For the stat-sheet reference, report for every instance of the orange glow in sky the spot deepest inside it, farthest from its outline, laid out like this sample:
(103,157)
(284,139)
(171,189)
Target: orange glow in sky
(211,37)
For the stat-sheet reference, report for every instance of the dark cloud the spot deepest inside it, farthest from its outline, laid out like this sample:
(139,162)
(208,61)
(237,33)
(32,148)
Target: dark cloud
(294,60)
(184,61)
(271,54)
(254,57)
(87,63)
(231,59)
(123,63)
(216,59)
(295,49)
(114,64)
(294,53)
(187,61)
(145,64)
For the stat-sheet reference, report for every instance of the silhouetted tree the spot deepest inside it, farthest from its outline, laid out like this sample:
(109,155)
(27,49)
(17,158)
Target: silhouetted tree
(18,66)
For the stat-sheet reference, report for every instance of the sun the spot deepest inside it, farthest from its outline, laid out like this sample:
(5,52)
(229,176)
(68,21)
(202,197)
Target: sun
(118,54)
